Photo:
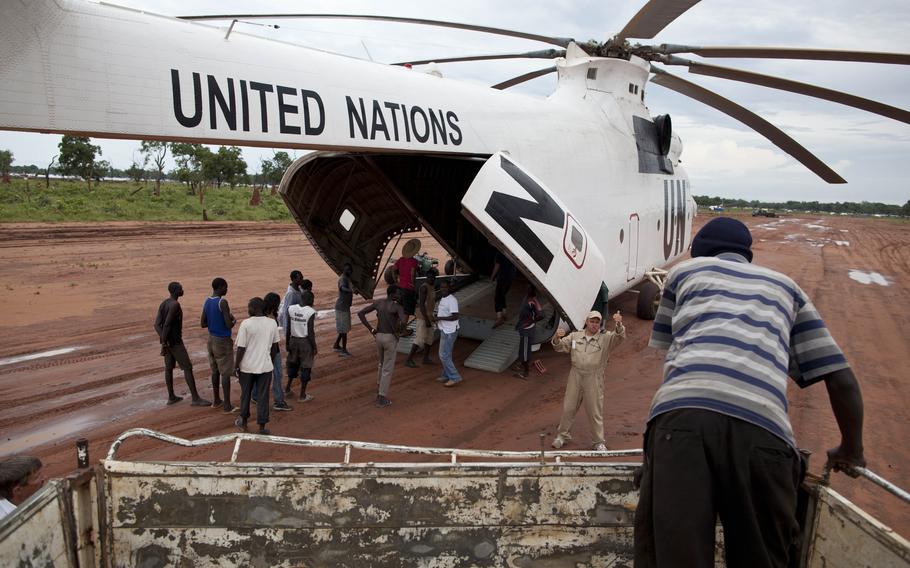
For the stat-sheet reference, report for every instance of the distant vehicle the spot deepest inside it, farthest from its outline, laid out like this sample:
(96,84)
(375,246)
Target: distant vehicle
(763,213)
(716,208)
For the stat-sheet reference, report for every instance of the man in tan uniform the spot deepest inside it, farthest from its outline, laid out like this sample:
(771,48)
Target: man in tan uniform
(590,351)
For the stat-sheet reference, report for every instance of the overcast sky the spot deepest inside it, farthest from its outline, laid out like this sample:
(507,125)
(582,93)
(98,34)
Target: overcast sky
(722,156)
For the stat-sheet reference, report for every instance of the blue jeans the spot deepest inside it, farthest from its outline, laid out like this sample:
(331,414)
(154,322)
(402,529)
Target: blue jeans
(446,345)
(277,390)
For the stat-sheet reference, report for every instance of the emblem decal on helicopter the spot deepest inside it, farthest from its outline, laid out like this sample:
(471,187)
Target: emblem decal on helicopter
(674,217)
(575,242)
(511,212)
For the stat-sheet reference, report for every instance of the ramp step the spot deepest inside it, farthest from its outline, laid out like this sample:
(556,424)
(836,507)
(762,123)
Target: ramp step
(496,352)
(472,292)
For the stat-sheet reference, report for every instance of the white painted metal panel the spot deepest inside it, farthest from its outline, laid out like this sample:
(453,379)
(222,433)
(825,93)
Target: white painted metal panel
(33,535)
(532,225)
(845,536)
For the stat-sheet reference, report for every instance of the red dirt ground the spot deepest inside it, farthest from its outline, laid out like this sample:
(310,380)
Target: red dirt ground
(95,288)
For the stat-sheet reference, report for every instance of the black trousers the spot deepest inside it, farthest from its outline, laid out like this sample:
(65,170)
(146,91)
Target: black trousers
(500,293)
(700,465)
(261,383)
(525,336)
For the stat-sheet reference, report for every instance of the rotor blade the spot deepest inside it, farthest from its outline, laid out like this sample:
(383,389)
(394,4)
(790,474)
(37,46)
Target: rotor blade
(522,78)
(792,86)
(560,41)
(542,54)
(654,17)
(750,119)
(789,53)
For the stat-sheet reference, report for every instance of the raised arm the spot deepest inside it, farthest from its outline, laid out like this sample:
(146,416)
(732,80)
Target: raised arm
(618,335)
(561,342)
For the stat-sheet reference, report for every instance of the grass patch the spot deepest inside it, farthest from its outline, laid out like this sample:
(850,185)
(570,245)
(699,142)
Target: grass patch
(125,201)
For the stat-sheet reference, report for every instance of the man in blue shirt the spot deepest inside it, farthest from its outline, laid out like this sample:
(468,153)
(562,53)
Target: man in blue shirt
(217,317)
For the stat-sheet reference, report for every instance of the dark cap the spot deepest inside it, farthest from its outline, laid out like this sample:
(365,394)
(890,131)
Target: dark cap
(723,234)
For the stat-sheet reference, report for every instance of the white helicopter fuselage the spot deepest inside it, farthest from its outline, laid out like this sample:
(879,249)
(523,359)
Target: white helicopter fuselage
(98,70)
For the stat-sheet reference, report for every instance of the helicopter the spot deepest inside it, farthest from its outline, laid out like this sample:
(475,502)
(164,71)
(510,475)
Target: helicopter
(583,190)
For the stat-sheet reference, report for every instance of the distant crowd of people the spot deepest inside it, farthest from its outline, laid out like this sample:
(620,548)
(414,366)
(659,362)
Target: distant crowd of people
(718,440)
(255,357)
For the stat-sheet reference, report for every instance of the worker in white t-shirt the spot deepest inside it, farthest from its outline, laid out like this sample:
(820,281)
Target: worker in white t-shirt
(302,343)
(257,344)
(447,321)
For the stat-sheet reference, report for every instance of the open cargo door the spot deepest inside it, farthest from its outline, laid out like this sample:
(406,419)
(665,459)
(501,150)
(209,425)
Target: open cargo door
(530,225)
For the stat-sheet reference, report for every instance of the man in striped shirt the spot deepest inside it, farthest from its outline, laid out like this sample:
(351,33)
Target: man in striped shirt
(719,440)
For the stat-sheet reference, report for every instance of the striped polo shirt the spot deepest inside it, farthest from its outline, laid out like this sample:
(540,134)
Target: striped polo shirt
(734,333)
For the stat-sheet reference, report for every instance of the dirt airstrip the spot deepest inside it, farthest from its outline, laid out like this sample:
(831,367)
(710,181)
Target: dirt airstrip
(79,358)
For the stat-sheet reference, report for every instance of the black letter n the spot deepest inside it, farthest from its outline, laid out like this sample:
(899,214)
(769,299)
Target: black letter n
(510,212)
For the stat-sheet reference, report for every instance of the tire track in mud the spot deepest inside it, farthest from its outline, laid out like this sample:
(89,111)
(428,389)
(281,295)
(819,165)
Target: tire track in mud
(27,345)
(72,390)
(54,363)
(11,237)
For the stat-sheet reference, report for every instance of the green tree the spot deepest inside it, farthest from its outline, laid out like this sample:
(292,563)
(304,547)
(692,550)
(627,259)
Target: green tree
(227,166)
(77,157)
(273,170)
(155,152)
(6,162)
(905,210)
(191,160)
(135,173)
(102,169)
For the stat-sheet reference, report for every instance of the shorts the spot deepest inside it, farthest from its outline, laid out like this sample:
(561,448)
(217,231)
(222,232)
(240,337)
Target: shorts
(342,321)
(408,300)
(300,355)
(221,355)
(425,334)
(177,355)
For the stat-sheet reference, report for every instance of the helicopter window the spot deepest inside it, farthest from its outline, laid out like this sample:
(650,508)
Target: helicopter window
(578,240)
(592,73)
(620,236)
(347,219)
(631,89)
